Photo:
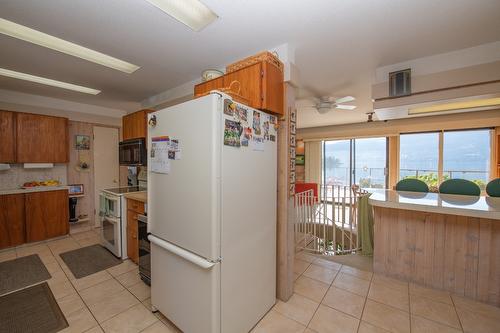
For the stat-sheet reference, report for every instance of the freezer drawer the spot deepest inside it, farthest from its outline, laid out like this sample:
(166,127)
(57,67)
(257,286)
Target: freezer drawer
(186,291)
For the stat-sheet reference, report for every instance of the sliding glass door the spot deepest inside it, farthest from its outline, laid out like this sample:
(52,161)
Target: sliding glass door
(337,162)
(356,161)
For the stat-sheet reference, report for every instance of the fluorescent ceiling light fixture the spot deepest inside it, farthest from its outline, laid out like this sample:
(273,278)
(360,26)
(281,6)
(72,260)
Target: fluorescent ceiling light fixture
(39,38)
(192,13)
(473,104)
(48,82)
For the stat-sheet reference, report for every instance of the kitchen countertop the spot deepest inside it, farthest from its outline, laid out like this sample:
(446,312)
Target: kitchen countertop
(464,205)
(139,196)
(33,189)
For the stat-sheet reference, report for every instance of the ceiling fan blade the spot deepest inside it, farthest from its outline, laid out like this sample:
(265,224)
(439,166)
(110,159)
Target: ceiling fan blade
(345,99)
(346,107)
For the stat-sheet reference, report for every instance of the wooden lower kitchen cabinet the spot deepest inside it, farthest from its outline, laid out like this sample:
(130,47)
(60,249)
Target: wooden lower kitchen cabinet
(12,212)
(134,208)
(132,239)
(46,215)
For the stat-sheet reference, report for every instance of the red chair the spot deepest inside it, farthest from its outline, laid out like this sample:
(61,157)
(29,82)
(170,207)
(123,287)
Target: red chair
(302,187)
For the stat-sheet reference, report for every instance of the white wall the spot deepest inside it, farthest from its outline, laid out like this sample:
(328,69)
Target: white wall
(21,102)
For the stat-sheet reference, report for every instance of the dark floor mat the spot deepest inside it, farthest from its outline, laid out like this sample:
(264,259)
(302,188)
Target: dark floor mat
(89,260)
(22,272)
(32,310)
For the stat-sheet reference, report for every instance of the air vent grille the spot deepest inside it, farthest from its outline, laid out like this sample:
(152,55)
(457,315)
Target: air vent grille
(400,83)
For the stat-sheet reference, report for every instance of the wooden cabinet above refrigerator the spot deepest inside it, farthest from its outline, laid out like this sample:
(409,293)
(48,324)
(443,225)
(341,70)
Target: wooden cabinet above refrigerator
(260,85)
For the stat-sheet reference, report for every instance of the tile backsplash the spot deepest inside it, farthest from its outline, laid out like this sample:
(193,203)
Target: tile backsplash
(16,176)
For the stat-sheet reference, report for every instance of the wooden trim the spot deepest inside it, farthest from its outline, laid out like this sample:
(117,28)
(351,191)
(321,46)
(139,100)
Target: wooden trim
(284,229)
(440,156)
(438,90)
(393,158)
(455,253)
(495,165)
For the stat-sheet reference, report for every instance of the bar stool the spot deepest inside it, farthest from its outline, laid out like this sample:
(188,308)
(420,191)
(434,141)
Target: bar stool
(459,186)
(412,185)
(493,188)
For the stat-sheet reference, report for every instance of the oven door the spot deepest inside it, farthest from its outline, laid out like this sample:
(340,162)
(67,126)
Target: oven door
(133,152)
(144,252)
(111,236)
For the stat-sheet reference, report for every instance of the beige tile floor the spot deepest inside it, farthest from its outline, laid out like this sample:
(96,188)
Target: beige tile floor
(329,297)
(114,300)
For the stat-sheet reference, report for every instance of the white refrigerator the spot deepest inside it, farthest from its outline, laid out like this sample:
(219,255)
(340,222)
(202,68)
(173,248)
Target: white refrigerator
(212,214)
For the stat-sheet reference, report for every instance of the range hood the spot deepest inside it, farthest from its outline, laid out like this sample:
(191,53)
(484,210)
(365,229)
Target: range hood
(4,167)
(38,165)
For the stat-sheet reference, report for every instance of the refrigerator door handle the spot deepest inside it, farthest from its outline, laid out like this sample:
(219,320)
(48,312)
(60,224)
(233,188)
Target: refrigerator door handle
(193,258)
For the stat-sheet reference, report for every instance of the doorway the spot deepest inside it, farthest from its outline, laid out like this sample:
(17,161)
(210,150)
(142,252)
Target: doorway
(355,161)
(106,165)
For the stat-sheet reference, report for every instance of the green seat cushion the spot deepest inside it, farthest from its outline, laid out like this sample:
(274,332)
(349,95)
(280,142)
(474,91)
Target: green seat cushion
(493,188)
(459,186)
(412,185)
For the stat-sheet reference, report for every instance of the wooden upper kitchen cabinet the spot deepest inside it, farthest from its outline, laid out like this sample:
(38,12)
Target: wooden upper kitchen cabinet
(12,212)
(47,215)
(41,139)
(260,86)
(134,125)
(207,86)
(7,137)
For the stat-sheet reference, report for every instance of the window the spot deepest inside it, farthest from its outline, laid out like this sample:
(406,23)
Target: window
(356,161)
(464,154)
(419,157)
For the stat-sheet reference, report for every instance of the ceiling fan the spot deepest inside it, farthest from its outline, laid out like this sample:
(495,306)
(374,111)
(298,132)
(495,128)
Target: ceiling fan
(327,103)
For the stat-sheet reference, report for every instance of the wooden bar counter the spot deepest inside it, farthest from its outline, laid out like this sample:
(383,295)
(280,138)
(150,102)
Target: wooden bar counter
(449,242)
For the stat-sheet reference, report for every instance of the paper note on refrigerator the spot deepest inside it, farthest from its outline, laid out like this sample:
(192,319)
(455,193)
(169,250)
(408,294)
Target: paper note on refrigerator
(159,154)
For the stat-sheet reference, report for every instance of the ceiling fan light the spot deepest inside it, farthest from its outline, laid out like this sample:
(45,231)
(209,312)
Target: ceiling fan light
(323,109)
(345,99)
(346,107)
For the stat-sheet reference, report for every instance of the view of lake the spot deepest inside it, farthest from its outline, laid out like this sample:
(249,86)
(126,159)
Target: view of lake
(466,154)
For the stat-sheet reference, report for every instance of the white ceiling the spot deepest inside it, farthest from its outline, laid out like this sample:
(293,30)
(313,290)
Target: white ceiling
(338,44)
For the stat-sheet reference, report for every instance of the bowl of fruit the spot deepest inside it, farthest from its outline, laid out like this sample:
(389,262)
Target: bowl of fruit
(51,182)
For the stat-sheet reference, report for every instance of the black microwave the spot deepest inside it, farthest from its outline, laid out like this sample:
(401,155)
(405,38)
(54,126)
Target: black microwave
(133,152)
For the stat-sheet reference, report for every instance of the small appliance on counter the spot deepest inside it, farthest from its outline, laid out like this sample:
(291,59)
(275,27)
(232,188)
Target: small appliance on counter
(133,152)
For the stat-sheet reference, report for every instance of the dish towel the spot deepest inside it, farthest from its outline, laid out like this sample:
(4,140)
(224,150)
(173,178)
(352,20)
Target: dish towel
(365,223)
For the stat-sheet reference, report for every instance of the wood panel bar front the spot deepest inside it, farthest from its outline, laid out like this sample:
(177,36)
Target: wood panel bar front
(456,253)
